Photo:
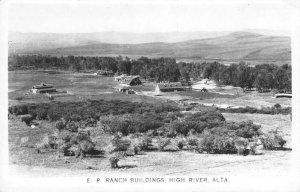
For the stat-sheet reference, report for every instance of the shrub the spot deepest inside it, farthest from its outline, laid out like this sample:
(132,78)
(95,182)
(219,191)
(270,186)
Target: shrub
(119,143)
(141,143)
(241,145)
(43,144)
(27,119)
(60,124)
(207,143)
(192,141)
(276,109)
(277,106)
(248,130)
(273,141)
(18,110)
(75,117)
(115,158)
(163,142)
(24,141)
(41,114)
(206,116)
(167,144)
(72,126)
(253,147)
(180,144)
(213,143)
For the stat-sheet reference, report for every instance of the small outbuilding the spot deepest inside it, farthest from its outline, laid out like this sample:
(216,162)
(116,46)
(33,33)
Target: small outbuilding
(121,89)
(124,89)
(43,88)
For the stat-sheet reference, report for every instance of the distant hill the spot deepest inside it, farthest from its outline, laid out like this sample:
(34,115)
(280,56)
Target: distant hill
(242,45)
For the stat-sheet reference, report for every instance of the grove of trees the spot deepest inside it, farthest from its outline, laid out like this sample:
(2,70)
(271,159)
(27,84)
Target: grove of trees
(261,77)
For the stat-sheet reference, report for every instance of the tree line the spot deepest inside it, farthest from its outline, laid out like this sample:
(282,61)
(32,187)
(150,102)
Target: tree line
(261,77)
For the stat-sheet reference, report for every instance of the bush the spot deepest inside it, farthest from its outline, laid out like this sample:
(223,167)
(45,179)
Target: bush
(142,142)
(119,143)
(273,141)
(241,145)
(192,141)
(180,144)
(212,143)
(84,110)
(163,142)
(41,114)
(18,110)
(277,106)
(206,116)
(60,125)
(72,126)
(27,119)
(276,109)
(248,130)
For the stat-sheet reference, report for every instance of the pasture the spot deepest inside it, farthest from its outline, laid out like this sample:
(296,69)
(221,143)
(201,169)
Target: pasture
(20,82)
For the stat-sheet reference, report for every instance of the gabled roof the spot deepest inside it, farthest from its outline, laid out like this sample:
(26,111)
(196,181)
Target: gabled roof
(128,79)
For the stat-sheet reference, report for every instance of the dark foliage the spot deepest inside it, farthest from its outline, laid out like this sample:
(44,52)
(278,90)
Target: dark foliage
(263,77)
(90,110)
(276,109)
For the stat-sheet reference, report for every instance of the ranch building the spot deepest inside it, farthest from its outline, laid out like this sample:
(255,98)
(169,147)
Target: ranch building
(168,87)
(105,73)
(43,88)
(132,80)
(124,89)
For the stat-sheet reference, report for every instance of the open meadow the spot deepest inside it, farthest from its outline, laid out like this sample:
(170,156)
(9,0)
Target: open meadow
(80,85)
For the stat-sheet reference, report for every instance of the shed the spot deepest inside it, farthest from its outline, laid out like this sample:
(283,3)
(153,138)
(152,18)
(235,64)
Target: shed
(122,89)
(168,87)
(43,88)
(105,73)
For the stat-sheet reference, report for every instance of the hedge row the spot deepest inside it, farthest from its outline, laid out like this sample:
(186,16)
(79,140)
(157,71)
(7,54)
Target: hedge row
(84,110)
(276,109)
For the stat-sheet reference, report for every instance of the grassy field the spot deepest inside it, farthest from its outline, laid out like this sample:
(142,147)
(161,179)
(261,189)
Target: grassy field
(256,100)
(20,82)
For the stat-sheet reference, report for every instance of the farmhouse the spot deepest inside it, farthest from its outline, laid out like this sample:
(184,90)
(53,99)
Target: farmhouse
(43,88)
(167,87)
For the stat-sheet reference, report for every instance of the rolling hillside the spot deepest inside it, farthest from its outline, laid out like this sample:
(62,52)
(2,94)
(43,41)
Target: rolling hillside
(227,46)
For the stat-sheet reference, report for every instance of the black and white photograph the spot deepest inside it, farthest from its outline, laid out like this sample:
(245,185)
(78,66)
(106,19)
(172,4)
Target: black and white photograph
(130,95)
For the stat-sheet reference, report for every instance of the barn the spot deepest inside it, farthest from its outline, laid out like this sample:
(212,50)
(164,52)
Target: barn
(132,80)
(105,73)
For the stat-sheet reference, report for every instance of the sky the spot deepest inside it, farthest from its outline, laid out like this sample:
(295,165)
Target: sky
(148,17)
